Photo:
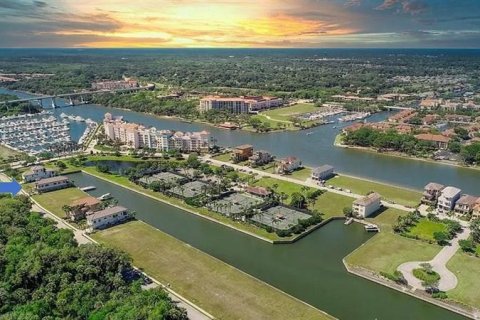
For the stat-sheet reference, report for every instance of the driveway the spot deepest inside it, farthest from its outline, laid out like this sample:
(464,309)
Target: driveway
(448,280)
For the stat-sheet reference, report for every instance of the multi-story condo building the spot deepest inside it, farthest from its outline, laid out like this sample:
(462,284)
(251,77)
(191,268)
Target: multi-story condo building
(137,136)
(243,104)
(448,198)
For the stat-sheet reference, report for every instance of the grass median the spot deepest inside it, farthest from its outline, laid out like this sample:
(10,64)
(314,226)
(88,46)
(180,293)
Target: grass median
(220,289)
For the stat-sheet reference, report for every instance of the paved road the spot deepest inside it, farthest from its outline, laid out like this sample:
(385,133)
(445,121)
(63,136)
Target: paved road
(193,313)
(448,280)
(308,182)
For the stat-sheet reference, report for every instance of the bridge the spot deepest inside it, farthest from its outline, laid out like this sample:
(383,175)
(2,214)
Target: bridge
(79,95)
(390,108)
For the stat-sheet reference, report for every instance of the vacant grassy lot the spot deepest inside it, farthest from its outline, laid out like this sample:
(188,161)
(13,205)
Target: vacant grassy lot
(225,157)
(426,228)
(7,152)
(390,193)
(284,114)
(386,251)
(55,200)
(330,204)
(215,286)
(301,174)
(467,269)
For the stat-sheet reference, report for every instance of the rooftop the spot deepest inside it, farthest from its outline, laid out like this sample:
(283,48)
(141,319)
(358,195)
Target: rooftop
(432,137)
(450,192)
(106,212)
(467,200)
(53,179)
(87,201)
(434,186)
(323,168)
(244,147)
(368,200)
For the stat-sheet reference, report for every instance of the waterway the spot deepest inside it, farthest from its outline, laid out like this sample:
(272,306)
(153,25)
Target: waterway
(314,149)
(310,269)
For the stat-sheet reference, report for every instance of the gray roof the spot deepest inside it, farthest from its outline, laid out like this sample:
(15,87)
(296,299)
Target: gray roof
(53,179)
(323,168)
(106,212)
(367,200)
(450,192)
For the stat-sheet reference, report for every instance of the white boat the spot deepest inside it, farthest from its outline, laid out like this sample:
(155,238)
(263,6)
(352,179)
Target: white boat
(63,115)
(309,133)
(105,196)
(89,188)
(372,228)
(348,221)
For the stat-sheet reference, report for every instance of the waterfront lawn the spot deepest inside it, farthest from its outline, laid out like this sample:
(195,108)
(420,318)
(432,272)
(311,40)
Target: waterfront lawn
(215,286)
(225,157)
(123,181)
(54,201)
(6,152)
(425,229)
(466,268)
(284,114)
(301,174)
(389,193)
(385,251)
(330,204)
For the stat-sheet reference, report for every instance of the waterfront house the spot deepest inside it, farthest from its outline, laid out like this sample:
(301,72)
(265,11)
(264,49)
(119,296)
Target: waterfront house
(476,210)
(465,205)
(440,141)
(258,191)
(242,153)
(322,173)
(448,198)
(260,158)
(36,173)
(431,193)
(53,183)
(80,208)
(366,206)
(107,217)
(288,165)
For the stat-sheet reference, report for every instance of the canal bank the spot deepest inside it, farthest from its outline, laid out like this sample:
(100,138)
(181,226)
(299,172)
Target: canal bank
(310,269)
(313,146)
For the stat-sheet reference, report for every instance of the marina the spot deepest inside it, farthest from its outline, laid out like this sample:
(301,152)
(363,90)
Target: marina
(33,133)
(355,116)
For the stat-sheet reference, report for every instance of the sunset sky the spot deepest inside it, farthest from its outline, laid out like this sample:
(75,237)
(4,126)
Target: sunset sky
(240,23)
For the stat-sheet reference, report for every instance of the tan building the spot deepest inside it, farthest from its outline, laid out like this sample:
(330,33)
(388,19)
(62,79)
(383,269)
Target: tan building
(465,205)
(366,206)
(288,165)
(242,153)
(137,136)
(431,193)
(243,104)
(440,141)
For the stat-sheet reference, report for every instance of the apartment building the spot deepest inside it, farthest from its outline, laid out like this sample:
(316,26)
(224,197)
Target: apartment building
(137,136)
(447,199)
(366,206)
(243,104)
(37,173)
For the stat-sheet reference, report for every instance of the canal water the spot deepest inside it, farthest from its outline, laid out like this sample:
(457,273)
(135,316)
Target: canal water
(313,149)
(310,269)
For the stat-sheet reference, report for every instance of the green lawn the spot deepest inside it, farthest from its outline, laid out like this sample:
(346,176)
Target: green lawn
(284,114)
(386,251)
(467,269)
(55,200)
(426,228)
(7,152)
(218,288)
(330,204)
(391,193)
(386,219)
(225,157)
(301,174)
